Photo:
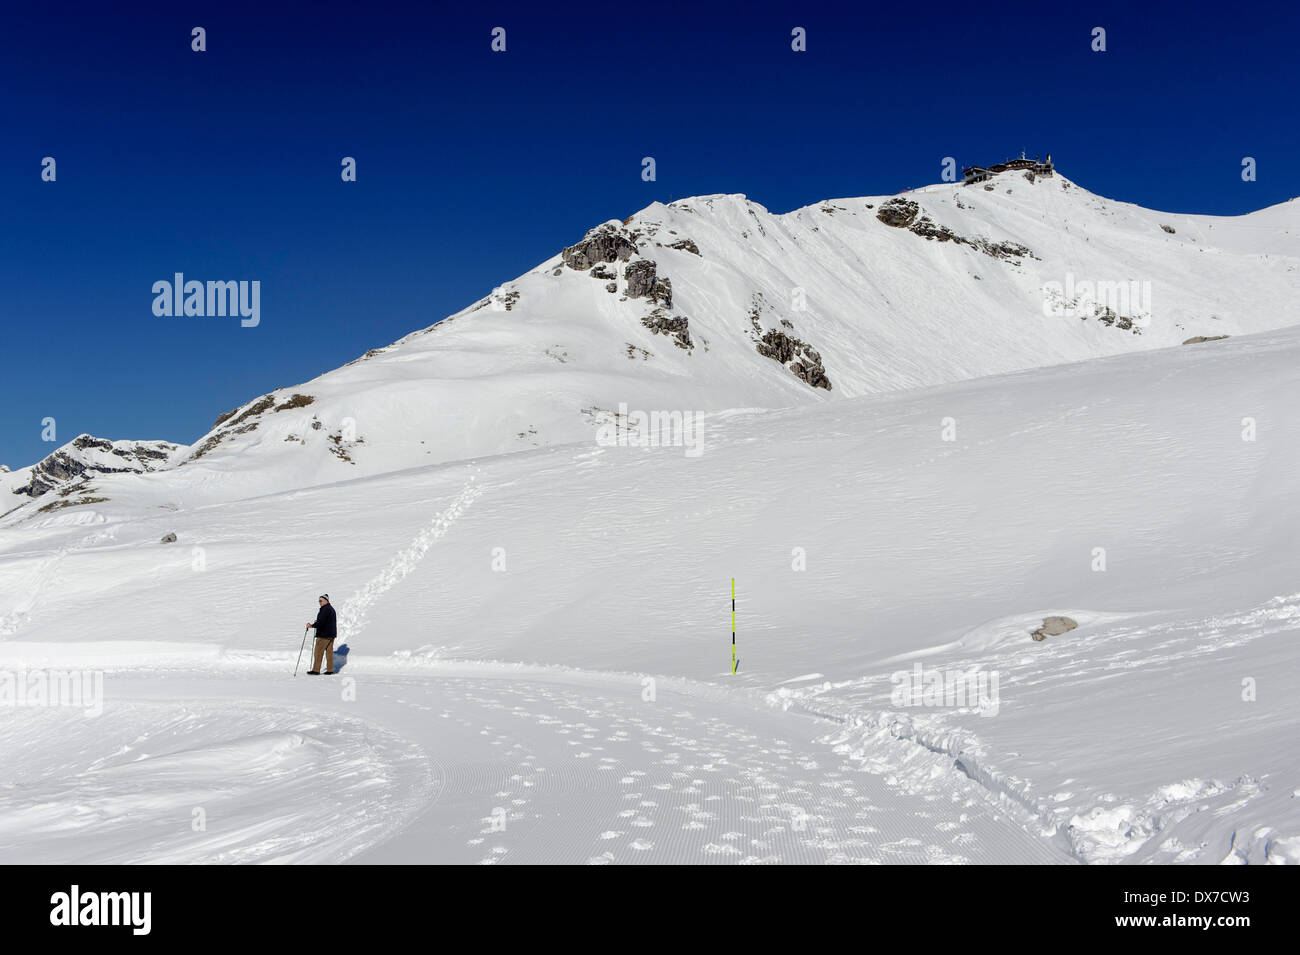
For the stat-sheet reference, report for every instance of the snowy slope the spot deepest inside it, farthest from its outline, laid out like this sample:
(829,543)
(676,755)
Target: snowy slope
(550,356)
(504,614)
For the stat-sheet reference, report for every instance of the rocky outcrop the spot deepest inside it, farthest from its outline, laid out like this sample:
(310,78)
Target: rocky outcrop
(295,401)
(246,418)
(239,421)
(341,448)
(223,418)
(677,327)
(640,278)
(87,456)
(1009,251)
(898,213)
(903,214)
(685,245)
(370,353)
(1053,627)
(800,357)
(605,243)
(927,228)
(261,405)
(1108,317)
(1197,339)
(643,282)
(1085,309)
(56,469)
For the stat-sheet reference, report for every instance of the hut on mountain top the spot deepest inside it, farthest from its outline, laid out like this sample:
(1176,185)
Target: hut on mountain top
(981,173)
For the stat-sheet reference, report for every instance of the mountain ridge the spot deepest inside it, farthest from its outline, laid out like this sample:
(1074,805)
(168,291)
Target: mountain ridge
(712,302)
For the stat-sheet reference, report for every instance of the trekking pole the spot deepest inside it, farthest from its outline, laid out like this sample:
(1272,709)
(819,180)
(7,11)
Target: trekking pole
(300,649)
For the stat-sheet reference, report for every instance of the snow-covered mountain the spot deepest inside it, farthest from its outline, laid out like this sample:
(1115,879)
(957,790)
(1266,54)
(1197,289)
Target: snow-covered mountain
(70,469)
(540,665)
(713,303)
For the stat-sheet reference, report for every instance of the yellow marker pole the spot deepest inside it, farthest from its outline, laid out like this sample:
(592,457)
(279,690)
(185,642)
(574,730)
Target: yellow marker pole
(733,626)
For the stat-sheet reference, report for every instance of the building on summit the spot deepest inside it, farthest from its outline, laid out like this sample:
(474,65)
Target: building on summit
(981,173)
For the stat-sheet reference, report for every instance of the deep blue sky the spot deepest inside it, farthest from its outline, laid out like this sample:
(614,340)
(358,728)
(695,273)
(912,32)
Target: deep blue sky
(474,166)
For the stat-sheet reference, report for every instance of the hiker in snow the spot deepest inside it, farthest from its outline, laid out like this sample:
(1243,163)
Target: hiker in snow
(325,633)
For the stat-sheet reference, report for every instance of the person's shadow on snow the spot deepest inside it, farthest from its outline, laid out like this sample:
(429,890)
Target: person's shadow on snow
(340,658)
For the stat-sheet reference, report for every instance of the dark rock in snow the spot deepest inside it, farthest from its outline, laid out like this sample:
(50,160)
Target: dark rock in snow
(1009,251)
(300,401)
(927,228)
(604,243)
(643,282)
(168,539)
(1053,627)
(640,278)
(678,327)
(1109,317)
(802,359)
(66,465)
(898,213)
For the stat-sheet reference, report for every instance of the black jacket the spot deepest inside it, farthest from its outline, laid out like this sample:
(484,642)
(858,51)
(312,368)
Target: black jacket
(325,623)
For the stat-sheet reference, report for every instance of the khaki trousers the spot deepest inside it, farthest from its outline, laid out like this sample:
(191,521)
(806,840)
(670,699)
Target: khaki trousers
(325,648)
